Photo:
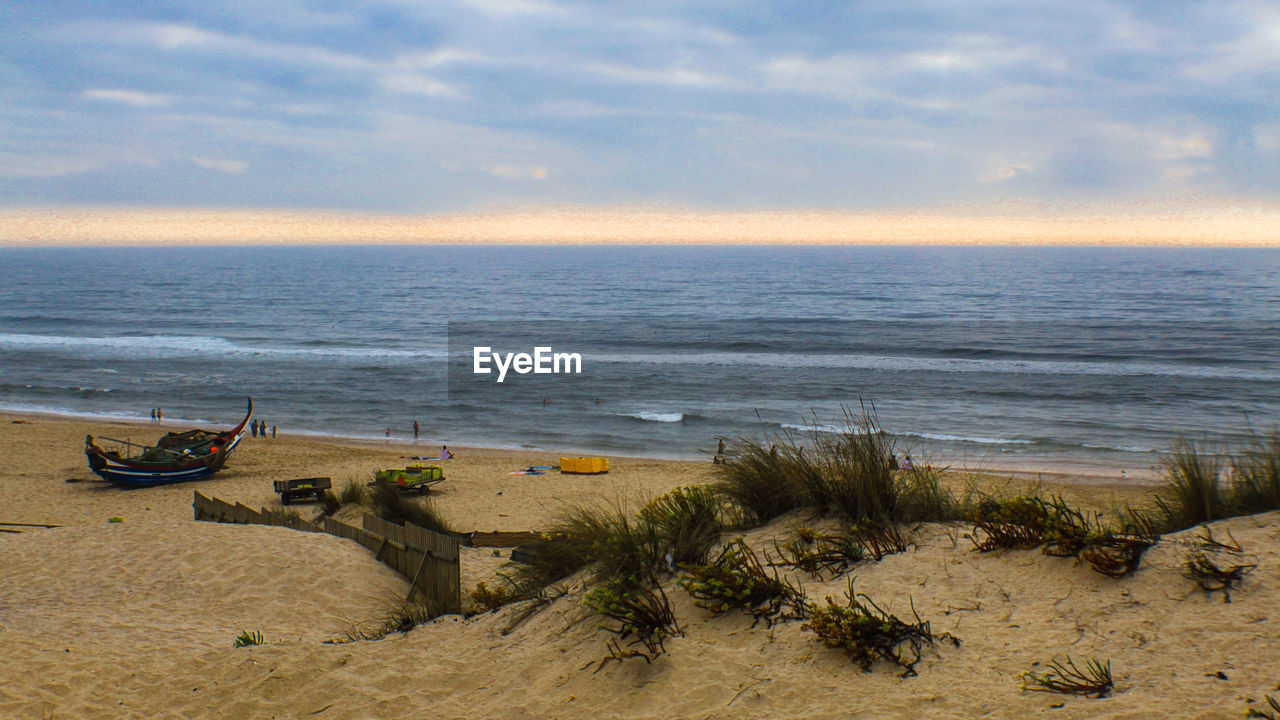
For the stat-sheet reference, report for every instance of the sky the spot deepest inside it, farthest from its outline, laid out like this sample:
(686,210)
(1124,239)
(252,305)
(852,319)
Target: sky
(436,107)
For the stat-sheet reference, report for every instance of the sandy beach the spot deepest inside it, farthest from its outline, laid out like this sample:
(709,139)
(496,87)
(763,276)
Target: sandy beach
(136,619)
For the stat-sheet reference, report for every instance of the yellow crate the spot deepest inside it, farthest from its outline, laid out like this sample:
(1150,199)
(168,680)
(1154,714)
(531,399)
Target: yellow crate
(584,466)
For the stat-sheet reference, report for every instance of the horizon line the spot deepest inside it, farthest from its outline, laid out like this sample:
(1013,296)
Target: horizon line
(1230,226)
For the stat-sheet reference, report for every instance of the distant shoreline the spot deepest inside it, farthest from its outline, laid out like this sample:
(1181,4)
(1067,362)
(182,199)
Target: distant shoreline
(1064,471)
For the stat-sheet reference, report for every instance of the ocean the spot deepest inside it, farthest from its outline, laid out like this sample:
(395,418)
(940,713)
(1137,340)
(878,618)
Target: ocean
(979,355)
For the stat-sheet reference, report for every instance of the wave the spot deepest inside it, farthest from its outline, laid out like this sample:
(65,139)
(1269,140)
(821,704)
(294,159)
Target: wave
(937,364)
(655,416)
(840,429)
(1121,448)
(194,346)
(966,438)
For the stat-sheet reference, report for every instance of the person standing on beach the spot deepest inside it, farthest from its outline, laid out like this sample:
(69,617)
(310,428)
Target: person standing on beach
(388,433)
(415,429)
(153,416)
(273,432)
(253,428)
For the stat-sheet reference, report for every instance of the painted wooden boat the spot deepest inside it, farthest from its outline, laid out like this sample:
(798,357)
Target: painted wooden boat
(176,457)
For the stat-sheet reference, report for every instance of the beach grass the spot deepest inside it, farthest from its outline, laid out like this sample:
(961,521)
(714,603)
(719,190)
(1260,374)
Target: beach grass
(850,471)
(1198,487)
(389,504)
(684,523)
(1192,493)
(399,615)
(354,492)
(1256,471)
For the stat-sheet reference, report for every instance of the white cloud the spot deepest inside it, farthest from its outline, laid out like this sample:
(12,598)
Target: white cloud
(417,84)
(19,166)
(128,97)
(660,76)
(234,167)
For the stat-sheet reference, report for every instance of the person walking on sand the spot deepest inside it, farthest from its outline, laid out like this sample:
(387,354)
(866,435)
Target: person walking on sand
(159,415)
(415,430)
(153,416)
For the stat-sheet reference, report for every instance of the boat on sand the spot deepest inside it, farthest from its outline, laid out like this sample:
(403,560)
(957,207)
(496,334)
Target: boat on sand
(176,457)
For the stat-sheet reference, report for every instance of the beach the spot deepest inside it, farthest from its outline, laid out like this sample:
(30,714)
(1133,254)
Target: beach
(136,618)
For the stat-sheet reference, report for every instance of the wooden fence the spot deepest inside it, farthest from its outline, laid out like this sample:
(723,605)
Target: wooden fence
(427,559)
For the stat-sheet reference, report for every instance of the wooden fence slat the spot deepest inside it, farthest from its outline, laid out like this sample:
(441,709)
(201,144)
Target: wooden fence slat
(429,560)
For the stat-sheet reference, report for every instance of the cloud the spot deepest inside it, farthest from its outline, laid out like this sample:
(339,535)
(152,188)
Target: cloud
(412,106)
(129,97)
(235,167)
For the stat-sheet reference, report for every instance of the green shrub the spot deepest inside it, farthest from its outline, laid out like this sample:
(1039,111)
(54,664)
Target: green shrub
(490,600)
(639,614)
(1217,565)
(735,579)
(867,633)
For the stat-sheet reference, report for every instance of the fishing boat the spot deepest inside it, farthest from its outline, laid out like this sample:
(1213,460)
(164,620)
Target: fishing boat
(176,457)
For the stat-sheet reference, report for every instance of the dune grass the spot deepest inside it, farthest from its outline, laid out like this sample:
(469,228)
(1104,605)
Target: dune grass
(851,472)
(617,545)
(354,493)
(1202,486)
(388,504)
(1256,472)
(399,615)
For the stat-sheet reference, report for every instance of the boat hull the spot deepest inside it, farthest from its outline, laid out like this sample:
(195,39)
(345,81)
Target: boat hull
(122,472)
(194,455)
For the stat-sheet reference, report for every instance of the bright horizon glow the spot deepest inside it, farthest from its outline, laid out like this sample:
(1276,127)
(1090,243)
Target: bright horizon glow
(1229,227)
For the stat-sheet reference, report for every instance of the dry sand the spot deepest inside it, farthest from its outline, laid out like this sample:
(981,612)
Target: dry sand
(136,619)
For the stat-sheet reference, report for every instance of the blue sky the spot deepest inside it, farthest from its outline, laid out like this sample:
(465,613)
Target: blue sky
(456,106)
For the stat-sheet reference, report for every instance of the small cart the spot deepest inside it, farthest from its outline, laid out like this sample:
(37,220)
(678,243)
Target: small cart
(301,488)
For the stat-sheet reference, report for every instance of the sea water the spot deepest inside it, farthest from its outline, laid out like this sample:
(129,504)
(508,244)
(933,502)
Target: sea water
(985,354)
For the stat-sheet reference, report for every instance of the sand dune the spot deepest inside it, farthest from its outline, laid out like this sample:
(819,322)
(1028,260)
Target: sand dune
(136,619)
